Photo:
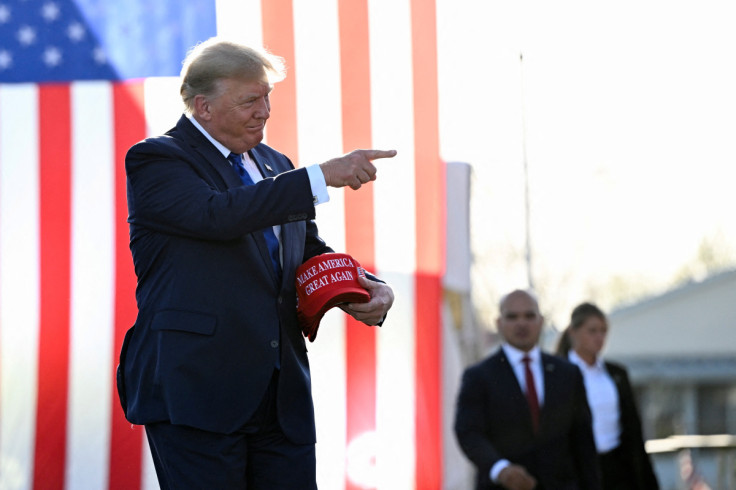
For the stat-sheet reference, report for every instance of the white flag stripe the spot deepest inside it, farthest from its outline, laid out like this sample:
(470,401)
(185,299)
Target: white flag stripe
(319,110)
(19,282)
(162,104)
(93,285)
(318,93)
(319,136)
(148,473)
(395,375)
(327,360)
(240,20)
(392,117)
(394,203)
(393,128)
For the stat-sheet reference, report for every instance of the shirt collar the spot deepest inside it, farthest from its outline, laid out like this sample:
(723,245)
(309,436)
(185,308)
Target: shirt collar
(222,149)
(515,355)
(576,359)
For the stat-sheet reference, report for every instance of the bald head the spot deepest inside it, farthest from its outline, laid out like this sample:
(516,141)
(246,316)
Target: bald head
(519,321)
(517,293)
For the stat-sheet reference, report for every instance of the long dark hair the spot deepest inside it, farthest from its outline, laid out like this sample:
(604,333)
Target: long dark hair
(578,316)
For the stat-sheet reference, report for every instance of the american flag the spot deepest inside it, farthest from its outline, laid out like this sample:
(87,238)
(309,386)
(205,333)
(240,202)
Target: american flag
(80,82)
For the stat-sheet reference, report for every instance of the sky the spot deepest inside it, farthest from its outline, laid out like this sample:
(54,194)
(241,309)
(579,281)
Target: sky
(625,114)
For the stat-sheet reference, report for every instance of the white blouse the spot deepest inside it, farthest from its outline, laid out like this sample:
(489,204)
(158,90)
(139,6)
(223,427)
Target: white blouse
(603,400)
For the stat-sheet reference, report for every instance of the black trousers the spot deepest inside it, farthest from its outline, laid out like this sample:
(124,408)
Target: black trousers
(616,472)
(256,457)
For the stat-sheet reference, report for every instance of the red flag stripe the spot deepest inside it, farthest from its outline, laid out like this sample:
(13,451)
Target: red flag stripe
(278,37)
(359,220)
(125,440)
(430,172)
(430,198)
(55,250)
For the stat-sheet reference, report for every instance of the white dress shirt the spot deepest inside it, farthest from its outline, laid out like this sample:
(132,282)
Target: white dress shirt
(515,357)
(603,401)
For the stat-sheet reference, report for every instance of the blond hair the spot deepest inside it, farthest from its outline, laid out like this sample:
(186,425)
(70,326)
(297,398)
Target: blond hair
(215,59)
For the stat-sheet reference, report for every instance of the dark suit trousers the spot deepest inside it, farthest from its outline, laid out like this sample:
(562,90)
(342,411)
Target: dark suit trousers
(256,457)
(616,472)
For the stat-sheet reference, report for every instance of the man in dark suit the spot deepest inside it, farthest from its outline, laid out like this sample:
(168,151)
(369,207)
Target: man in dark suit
(522,416)
(216,366)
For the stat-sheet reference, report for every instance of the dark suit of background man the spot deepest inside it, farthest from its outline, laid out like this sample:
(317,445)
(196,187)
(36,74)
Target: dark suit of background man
(216,366)
(495,423)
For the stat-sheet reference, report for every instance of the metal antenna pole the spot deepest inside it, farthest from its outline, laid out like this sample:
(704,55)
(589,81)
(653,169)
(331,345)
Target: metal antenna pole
(527,212)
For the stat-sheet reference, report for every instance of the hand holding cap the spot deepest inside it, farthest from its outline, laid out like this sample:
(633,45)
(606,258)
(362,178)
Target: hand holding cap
(325,281)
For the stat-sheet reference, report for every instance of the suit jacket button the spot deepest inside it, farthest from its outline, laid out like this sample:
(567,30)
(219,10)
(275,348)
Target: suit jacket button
(281,299)
(274,343)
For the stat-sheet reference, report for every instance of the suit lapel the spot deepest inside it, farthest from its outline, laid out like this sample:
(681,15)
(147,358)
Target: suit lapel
(208,152)
(551,381)
(509,376)
(263,163)
(505,372)
(292,234)
(212,156)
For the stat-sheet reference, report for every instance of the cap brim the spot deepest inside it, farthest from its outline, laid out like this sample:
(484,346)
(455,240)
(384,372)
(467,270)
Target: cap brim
(320,305)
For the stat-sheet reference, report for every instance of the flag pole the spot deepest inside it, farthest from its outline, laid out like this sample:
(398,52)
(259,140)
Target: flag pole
(527,211)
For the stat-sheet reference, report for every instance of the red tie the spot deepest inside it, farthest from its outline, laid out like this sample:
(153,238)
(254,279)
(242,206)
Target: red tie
(531,393)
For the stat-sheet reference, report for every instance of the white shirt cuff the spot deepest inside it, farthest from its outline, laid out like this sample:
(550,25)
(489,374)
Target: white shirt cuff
(497,468)
(318,184)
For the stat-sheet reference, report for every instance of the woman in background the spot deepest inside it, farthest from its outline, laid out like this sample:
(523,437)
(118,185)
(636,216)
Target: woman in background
(625,465)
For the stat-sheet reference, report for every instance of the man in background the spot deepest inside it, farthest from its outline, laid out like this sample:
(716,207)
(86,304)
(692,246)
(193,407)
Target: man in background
(522,416)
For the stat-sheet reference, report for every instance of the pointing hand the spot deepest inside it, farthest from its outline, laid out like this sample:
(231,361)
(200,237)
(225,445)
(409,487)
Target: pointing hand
(354,169)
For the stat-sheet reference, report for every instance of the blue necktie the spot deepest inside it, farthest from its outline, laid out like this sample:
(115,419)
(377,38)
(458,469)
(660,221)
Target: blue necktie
(271,241)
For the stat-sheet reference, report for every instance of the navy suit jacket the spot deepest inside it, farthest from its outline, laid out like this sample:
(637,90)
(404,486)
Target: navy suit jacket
(213,319)
(493,422)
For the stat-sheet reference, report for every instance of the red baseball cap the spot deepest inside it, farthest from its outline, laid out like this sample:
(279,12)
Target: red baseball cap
(325,281)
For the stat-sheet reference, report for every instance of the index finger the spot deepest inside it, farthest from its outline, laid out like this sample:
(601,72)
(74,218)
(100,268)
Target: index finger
(375,154)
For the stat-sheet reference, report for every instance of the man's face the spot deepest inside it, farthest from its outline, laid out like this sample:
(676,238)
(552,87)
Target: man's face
(520,322)
(237,116)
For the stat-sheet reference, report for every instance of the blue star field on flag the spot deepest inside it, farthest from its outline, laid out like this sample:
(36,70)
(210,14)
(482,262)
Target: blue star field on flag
(67,40)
